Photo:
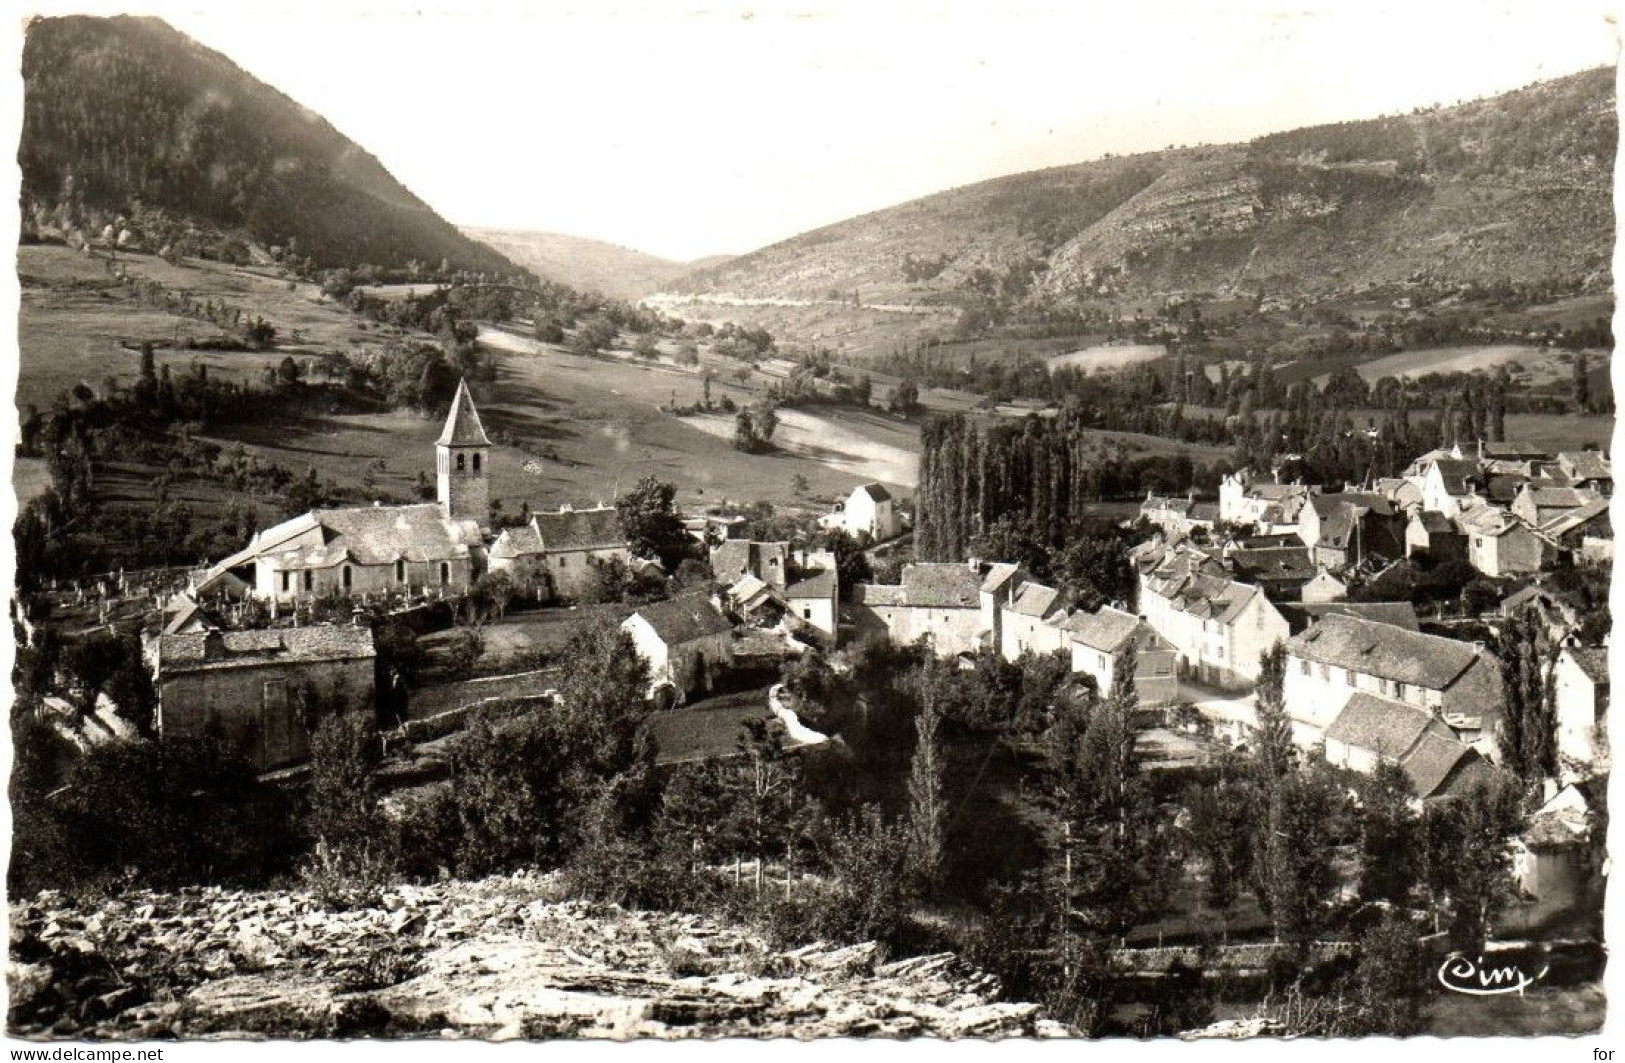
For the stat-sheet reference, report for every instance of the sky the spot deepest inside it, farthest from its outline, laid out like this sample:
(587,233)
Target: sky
(692,128)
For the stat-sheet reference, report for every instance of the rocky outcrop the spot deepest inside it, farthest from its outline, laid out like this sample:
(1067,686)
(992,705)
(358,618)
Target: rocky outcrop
(504,957)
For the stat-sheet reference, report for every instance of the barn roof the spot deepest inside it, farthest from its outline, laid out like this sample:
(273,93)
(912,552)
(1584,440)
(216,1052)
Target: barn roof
(211,650)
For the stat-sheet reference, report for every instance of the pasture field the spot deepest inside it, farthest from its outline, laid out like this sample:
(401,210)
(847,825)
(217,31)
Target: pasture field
(1108,356)
(75,320)
(1530,365)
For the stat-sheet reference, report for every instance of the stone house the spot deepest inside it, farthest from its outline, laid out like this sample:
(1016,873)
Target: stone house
(1500,544)
(1342,655)
(557,553)
(1432,536)
(1372,730)
(1324,588)
(1027,621)
(1447,483)
(1588,468)
(685,640)
(1345,529)
(1268,506)
(940,600)
(1539,505)
(260,691)
(1100,639)
(769,562)
(1281,570)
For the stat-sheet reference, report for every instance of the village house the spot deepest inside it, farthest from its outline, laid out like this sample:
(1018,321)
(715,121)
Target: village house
(1218,627)
(1342,655)
(1580,697)
(1372,730)
(261,691)
(1026,624)
(1179,517)
(768,562)
(1281,570)
(1433,537)
(999,587)
(686,642)
(1586,533)
(1344,529)
(1588,469)
(1404,494)
(939,600)
(1539,504)
(816,601)
(557,554)
(1500,544)
(1447,484)
(869,510)
(1324,588)
(1268,506)
(1099,641)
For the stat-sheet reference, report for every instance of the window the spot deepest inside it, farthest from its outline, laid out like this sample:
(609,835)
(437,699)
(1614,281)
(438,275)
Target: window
(461,458)
(1349,676)
(476,463)
(1399,691)
(400,570)
(1102,660)
(287,582)
(344,575)
(310,580)
(1303,666)
(806,613)
(274,695)
(445,573)
(563,561)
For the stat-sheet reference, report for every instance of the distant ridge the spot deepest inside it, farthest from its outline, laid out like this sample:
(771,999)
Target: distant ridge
(587,264)
(1513,186)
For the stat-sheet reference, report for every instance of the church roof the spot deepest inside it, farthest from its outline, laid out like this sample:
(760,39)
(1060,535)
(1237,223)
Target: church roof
(463,427)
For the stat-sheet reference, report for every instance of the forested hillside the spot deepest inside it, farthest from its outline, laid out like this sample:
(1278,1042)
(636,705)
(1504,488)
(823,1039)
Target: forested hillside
(125,113)
(1515,186)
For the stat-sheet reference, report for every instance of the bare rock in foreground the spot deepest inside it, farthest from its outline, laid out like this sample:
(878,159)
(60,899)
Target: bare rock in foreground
(500,958)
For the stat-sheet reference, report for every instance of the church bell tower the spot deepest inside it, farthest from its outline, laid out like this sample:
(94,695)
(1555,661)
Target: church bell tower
(462,454)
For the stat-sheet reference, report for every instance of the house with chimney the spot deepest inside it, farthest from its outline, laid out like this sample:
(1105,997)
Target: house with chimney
(1342,655)
(869,510)
(686,642)
(1345,529)
(1219,627)
(1267,506)
(941,601)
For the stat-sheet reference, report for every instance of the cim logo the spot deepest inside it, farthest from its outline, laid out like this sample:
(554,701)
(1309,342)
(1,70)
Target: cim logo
(1461,975)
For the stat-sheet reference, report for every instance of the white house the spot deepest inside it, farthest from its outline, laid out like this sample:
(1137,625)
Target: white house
(1341,655)
(1219,627)
(684,640)
(870,510)
(940,600)
(1580,694)
(815,601)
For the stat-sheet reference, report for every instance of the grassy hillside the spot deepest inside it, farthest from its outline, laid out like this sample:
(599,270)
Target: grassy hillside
(590,265)
(1516,186)
(125,111)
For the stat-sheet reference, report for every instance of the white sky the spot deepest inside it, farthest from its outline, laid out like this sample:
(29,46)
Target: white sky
(694,128)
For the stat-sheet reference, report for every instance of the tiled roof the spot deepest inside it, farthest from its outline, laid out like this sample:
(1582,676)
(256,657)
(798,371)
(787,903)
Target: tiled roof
(368,535)
(1593,661)
(823,585)
(942,586)
(1180,506)
(1300,615)
(1387,728)
(734,558)
(463,427)
(1587,465)
(684,619)
(1435,523)
(1456,474)
(1035,599)
(1106,630)
(876,492)
(598,528)
(1560,497)
(1433,760)
(1205,511)
(1000,574)
(1279,562)
(1568,521)
(1384,650)
(210,650)
(749,591)
(877,594)
(1203,596)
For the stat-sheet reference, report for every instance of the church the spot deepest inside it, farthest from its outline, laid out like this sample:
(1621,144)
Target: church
(369,549)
